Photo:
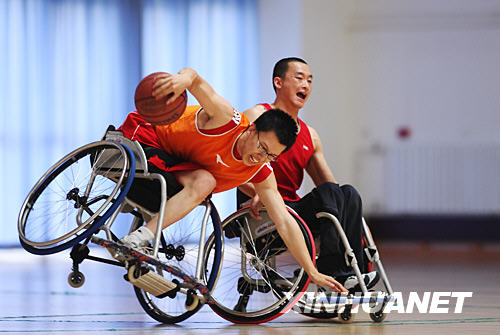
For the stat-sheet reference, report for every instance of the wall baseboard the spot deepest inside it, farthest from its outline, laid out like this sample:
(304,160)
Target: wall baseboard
(435,227)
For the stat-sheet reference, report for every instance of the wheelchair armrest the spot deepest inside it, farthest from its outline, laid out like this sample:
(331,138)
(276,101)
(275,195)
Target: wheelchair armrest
(110,128)
(140,157)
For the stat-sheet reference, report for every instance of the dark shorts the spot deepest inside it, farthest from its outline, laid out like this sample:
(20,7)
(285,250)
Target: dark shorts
(146,192)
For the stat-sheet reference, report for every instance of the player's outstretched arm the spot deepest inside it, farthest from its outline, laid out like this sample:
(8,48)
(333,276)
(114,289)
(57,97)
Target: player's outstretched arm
(290,232)
(214,105)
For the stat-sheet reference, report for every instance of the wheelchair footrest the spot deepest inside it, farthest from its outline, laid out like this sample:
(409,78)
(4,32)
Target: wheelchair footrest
(151,282)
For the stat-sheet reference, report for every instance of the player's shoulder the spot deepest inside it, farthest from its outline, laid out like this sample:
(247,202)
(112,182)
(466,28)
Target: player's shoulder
(314,136)
(311,130)
(254,112)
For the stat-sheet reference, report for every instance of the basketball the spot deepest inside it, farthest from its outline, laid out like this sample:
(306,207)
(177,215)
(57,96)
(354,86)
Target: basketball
(155,111)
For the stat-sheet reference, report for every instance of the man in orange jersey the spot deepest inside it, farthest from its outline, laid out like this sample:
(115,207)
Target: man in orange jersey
(222,150)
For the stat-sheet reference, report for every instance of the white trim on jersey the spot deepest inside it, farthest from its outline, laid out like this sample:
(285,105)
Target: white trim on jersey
(236,119)
(265,164)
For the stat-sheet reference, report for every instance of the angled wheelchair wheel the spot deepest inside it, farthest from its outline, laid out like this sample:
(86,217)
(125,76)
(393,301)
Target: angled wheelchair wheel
(259,279)
(75,196)
(180,248)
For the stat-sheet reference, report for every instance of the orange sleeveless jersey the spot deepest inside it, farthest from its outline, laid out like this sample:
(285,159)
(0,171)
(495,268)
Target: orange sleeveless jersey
(212,149)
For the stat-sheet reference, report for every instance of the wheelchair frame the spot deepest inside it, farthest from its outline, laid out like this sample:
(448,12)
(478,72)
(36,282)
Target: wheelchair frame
(109,162)
(114,161)
(260,279)
(127,161)
(342,308)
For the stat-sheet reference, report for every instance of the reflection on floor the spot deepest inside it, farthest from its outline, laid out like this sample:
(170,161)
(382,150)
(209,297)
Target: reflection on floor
(35,297)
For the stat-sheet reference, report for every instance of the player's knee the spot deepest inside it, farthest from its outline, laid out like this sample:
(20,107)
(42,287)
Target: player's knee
(203,183)
(327,197)
(329,187)
(198,184)
(350,192)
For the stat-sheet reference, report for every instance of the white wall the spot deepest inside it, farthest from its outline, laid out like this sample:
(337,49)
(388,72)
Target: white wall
(280,29)
(431,66)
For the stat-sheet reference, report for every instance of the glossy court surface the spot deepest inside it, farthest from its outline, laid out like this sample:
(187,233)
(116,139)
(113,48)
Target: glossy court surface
(35,297)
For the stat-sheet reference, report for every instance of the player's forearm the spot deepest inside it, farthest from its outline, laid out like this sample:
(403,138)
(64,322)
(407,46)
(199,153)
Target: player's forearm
(319,179)
(291,234)
(319,171)
(198,87)
(192,78)
(213,104)
(288,229)
(248,189)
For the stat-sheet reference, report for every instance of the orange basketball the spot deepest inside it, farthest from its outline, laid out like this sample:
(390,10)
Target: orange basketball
(155,111)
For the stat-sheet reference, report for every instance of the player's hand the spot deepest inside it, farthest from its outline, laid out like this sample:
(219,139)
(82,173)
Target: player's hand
(255,207)
(171,86)
(328,281)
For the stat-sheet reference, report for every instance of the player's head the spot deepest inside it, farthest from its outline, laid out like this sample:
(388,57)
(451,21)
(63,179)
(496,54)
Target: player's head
(272,133)
(292,80)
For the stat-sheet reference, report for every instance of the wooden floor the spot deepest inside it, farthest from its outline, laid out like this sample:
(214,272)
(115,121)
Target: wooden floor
(35,297)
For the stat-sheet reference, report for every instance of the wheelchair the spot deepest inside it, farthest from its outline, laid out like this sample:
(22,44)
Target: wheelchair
(260,279)
(343,307)
(81,196)
(77,201)
(246,294)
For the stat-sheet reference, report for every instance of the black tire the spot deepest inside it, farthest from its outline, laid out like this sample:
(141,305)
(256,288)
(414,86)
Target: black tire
(378,316)
(273,281)
(75,196)
(76,279)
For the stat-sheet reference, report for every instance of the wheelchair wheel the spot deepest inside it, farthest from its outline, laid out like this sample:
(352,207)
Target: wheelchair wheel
(259,279)
(179,248)
(75,196)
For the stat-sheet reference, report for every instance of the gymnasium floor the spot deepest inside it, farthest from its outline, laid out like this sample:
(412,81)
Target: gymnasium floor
(35,297)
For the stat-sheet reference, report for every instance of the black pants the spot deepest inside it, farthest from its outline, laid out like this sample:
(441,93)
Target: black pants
(147,192)
(344,203)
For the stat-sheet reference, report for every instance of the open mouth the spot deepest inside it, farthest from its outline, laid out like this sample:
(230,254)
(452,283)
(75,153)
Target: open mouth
(301,95)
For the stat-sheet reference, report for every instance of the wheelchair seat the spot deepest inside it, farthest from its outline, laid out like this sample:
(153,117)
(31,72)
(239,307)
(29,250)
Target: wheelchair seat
(140,157)
(145,192)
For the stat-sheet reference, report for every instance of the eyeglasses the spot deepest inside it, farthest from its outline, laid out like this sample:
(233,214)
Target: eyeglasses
(271,157)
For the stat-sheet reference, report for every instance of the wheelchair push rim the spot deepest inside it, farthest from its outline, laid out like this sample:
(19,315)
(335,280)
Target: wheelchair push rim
(65,193)
(260,285)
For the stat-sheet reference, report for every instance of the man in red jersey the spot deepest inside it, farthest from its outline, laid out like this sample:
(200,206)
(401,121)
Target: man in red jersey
(223,150)
(292,82)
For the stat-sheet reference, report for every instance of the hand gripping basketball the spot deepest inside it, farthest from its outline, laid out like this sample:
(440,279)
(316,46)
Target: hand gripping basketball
(157,112)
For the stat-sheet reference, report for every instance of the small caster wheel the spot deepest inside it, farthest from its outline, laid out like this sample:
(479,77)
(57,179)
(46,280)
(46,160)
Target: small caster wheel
(192,300)
(378,316)
(169,252)
(180,252)
(76,279)
(346,317)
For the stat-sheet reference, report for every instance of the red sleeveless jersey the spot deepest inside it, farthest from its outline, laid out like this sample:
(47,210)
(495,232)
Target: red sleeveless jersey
(289,169)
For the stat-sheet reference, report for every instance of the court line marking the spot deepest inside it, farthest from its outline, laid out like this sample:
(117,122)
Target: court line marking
(276,325)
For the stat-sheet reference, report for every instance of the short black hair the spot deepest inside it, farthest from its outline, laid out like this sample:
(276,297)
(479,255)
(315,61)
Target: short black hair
(283,125)
(281,67)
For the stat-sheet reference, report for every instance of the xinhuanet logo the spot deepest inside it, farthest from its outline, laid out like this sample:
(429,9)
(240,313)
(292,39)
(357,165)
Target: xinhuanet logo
(375,302)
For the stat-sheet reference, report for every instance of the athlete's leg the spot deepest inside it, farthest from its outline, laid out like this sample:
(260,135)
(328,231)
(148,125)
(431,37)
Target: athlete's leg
(345,204)
(351,220)
(198,185)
